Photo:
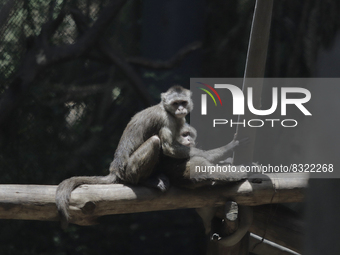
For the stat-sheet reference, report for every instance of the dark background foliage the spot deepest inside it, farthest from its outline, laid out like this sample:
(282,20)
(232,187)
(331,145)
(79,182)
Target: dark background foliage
(67,119)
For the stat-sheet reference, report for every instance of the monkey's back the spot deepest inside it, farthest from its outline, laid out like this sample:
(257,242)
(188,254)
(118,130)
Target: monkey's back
(141,127)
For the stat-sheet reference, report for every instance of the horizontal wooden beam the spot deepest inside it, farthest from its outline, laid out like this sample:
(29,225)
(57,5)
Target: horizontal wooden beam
(88,202)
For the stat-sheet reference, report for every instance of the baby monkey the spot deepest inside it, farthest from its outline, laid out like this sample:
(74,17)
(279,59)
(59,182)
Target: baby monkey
(158,180)
(177,171)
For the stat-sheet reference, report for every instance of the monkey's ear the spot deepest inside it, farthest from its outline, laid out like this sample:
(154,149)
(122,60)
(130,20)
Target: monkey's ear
(164,96)
(188,92)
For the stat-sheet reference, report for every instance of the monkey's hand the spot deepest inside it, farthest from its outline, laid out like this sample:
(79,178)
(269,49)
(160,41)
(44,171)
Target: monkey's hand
(241,142)
(228,161)
(236,143)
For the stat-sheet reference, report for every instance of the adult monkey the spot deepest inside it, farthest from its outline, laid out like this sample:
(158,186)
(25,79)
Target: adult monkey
(175,137)
(149,130)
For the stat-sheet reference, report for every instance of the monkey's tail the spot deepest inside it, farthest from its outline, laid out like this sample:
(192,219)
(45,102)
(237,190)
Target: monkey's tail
(66,187)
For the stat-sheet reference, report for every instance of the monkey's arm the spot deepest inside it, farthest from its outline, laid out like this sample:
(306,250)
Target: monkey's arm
(218,154)
(176,150)
(171,147)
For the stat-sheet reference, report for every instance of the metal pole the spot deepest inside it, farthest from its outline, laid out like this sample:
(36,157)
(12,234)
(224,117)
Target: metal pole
(255,68)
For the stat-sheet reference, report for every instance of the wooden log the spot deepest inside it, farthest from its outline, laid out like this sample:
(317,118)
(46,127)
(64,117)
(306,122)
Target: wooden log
(88,202)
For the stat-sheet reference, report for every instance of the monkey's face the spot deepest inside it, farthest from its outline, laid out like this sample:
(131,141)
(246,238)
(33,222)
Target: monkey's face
(187,139)
(179,108)
(177,101)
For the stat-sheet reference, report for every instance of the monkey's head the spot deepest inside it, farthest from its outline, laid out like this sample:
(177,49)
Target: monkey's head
(187,136)
(177,101)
